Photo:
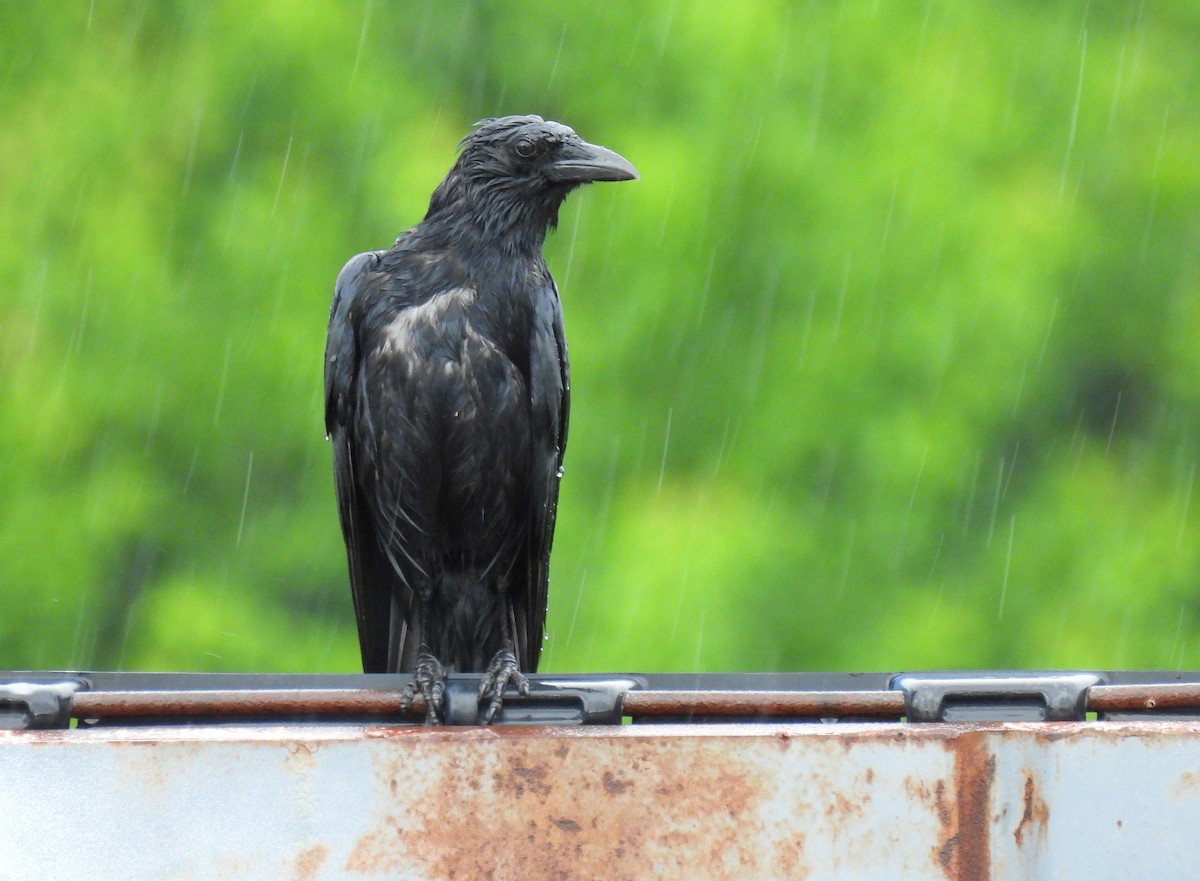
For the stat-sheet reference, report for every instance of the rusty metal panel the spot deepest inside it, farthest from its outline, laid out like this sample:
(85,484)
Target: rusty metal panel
(799,801)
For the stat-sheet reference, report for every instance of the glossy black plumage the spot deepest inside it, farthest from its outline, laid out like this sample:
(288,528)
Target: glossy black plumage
(446,400)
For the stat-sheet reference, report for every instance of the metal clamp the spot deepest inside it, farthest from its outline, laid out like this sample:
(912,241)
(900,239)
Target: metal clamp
(28,705)
(549,702)
(996,697)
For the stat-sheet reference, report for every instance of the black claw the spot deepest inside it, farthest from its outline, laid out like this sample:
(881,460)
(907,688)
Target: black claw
(500,673)
(429,680)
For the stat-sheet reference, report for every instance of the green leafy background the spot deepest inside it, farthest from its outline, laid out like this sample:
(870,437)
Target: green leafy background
(890,360)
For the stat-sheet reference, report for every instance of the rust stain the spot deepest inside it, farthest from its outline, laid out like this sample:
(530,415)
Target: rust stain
(945,854)
(964,853)
(522,778)
(309,861)
(1188,781)
(300,756)
(373,853)
(613,785)
(540,812)
(842,810)
(941,805)
(1036,812)
(934,797)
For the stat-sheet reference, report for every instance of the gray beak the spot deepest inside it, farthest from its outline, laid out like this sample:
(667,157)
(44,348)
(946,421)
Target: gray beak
(583,163)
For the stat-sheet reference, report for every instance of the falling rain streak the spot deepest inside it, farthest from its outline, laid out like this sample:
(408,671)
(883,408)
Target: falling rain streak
(1012,528)
(662,465)
(245,499)
(287,155)
(1187,502)
(1062,184)
(221,383)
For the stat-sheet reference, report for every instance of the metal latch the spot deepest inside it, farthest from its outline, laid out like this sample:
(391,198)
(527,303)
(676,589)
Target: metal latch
(996,697)
(549,702)
(25,705)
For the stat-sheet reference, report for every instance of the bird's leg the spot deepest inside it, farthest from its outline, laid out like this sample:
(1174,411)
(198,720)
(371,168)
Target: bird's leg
(429,676)
(500,672)
(429,679)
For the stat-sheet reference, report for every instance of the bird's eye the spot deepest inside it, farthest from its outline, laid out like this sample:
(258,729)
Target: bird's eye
(526,148)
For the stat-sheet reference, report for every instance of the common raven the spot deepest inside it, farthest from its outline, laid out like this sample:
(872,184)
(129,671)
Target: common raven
(446,399)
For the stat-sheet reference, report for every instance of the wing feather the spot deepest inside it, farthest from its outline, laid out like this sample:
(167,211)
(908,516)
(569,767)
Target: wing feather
(379,608)
(550,391)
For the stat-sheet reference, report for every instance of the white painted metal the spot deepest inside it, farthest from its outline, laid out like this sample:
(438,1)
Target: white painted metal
(849,801)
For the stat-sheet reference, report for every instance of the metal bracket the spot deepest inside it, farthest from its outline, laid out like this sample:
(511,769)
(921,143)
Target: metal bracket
(549,702)
(28,705)
(996,697)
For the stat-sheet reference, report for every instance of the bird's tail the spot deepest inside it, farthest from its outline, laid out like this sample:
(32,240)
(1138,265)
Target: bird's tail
(475,620)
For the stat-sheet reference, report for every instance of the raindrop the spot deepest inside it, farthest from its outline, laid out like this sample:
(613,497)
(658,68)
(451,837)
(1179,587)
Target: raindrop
(1012,528)
(668,204)
(245,498)
(912,499)
(1113,428)
(190,164)
(721,448)
(221,382)
(666,32)
(762,334)
(566,276)
(937,555)
(1116,89)
(77,337)
(808,323)
(1187,502)
(703,298)
(662,465)
(187,481)
(80,647)
(578,603)
(699,642)
(996,496)
(1049,327)
(362,39)
(1149,221)
(817,103)
(562,37)
(155,412)
(841,303)
(237,153)
(969,507)
(1011,468)
(1177,642)
(847,558)
(887,220)
(287,154)
(1020,388)
(1062,182)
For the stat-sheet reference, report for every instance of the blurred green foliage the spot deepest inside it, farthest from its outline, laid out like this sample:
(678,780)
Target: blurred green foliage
(890,360)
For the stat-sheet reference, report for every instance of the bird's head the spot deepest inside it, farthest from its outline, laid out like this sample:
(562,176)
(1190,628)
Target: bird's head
(513,173)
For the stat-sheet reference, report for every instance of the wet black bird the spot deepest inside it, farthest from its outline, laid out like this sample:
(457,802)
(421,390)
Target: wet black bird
(446,400)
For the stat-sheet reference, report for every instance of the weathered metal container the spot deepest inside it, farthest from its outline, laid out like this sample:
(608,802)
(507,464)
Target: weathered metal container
(767,800)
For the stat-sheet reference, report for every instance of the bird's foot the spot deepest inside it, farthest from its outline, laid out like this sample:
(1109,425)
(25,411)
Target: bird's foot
(429,680)
(500,673)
